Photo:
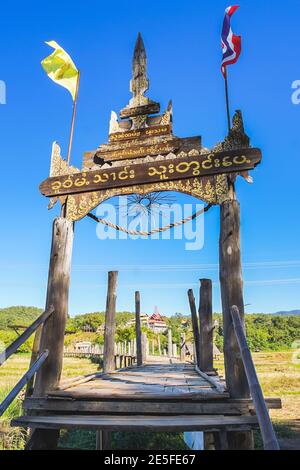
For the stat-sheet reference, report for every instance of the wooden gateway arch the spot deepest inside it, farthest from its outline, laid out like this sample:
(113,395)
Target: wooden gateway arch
(144,156)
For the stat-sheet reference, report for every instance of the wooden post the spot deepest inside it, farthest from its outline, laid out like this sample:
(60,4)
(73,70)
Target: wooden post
(52,336)
(103,440)
(195,325)
(182,347)
(159,344)
(144,347)
(232,294)
(110,323)
(206,326)
(170,352)
(138,331)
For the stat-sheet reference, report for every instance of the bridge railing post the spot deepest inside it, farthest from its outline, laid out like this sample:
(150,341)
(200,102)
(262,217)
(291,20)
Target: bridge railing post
(206,326)
(138,330)
(110,323)
(195,326)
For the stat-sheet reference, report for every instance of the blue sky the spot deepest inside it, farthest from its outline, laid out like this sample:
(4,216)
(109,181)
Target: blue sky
(183,48)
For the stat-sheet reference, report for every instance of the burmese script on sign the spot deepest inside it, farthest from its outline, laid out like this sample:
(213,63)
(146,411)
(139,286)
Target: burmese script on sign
(177,168)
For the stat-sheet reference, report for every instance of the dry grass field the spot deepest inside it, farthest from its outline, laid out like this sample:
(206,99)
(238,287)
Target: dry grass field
(279,373)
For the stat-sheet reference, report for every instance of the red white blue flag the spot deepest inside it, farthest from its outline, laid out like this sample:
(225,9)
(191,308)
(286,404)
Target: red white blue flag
(231,44)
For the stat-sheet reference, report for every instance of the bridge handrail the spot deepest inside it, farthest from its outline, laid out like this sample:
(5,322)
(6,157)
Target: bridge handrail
(13,347)
(267,431)
(23,381)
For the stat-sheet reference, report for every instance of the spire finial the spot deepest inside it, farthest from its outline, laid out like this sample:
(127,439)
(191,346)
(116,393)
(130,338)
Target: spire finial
(140,106)
(139,83)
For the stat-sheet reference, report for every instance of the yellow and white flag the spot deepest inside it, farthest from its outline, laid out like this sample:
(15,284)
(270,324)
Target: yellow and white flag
(61,69)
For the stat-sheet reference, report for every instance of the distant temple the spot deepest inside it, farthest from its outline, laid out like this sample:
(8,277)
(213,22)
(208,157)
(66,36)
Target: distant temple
(155,322)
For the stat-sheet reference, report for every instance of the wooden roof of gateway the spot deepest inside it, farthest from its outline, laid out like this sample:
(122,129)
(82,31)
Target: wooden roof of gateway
(140,132)
(143,156)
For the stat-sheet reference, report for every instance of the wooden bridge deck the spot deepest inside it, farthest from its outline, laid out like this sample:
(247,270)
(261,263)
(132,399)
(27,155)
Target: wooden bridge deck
(151,381)
(161,396)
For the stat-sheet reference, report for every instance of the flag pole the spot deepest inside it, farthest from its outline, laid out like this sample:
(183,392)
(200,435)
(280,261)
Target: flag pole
(73,119)
(227,99)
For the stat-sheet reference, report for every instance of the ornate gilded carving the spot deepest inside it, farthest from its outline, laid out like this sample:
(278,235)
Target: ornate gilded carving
(59,166)
(167,117)
(236,139)
(213,190)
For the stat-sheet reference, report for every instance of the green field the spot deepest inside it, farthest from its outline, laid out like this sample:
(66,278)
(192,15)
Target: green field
(279,373)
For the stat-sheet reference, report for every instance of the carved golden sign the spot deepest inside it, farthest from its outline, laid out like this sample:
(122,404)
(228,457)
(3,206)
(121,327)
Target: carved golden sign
(233,161)
(139,151)
(140,133)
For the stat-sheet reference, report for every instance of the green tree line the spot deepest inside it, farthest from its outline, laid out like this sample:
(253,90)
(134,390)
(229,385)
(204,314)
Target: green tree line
(264,332)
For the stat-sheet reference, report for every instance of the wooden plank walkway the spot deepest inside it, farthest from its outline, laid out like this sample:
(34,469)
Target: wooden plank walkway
(156,396)
(151,381)
(138,423)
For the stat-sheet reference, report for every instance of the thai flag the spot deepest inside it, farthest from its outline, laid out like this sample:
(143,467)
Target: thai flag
(231,44)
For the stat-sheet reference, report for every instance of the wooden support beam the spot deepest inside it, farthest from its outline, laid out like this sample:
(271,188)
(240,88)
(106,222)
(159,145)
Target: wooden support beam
(103,440)
(170,344)
(182,348)
(53,333)
(23,381)
(138,331)
(144,347)
(34,356)
(110,323)
(232,294)
(159,344)
(206,326)
(265,424)
(14,346)
(52,337)
(195,325)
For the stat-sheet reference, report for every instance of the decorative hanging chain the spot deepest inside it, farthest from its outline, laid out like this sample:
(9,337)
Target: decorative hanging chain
(155,230)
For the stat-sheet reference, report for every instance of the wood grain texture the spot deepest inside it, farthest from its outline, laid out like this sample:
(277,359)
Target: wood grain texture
(195,324)
(144,406)
(110,323)
(232,294)
(265,424)
(171,170)
(137,423)
(52,337)
(206,326)
(138,331)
